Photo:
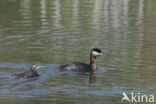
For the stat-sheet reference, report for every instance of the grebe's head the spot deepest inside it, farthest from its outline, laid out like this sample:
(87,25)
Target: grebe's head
(97,52)
(35,67)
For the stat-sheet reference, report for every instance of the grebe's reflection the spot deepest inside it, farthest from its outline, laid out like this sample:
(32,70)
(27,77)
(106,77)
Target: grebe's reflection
(92,78)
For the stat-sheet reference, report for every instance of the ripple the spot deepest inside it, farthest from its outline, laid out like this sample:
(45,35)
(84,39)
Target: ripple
(11,65)
(43,31)
(19,36)
(61,37)
(63,33)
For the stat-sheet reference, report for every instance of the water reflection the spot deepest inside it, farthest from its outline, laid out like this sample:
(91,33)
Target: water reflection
(43,12)
(92,77)
(57,17)
(75,12)
(25,9)
(125,11)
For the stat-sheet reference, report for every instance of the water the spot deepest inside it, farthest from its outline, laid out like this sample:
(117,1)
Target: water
(52,32)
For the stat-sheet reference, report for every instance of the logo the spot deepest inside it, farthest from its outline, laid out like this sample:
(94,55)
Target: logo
(137,97)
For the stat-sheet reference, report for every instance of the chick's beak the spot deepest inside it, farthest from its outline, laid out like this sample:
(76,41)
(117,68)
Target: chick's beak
(41,66)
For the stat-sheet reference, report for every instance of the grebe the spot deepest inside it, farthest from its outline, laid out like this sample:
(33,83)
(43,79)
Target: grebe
(82,67)
(33,72)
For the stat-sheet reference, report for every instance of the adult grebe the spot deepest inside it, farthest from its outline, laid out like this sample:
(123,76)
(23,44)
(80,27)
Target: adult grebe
(33,72)
(82,67)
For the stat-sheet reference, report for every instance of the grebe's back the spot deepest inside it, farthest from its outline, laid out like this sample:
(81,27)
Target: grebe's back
(83,67)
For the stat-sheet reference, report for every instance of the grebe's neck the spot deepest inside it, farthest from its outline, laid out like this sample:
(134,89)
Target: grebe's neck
(93,63)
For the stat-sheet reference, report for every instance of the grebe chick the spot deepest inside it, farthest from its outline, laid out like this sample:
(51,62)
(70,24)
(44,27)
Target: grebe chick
(82,67)
(33,72)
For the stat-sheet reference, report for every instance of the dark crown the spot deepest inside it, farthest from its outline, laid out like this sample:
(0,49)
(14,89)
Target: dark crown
(97,50)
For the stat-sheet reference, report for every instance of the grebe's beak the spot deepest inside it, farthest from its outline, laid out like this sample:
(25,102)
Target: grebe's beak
(102,54)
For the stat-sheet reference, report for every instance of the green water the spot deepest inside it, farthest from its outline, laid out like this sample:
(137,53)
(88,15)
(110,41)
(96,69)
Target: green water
(52,32)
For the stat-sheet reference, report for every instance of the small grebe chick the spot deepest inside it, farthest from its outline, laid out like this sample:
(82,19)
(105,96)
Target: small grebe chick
(82,67)
(33,72)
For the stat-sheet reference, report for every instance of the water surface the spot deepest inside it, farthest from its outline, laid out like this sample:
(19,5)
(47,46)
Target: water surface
(52,32)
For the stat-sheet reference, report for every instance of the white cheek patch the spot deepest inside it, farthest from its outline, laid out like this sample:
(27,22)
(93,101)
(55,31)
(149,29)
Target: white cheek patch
(94,53)
(37,67)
